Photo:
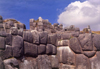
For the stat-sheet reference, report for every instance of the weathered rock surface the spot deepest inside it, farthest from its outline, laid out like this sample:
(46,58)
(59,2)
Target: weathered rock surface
(7,53)
(30,49)
(96,41)
(65,55)
(43,62)
(9,39)
(17,46)
(82,62)
(41,49)
(89,54)
(11,63)
(75,45)
(86,41)
(29,63)
(1,64)
(2,43)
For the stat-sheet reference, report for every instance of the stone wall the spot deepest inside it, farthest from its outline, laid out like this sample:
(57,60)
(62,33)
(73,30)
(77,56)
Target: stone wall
(47,46)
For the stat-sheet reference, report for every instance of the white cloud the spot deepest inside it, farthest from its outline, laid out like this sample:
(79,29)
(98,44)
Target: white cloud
(82,14)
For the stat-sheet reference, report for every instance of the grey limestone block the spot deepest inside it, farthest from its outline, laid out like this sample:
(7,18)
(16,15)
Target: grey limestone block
(20,32)
(3,33)
(17,46)
(86,41)
(14,31)
(66,55)
(54,61)
(1,64)
(49,49)
(9,39)
(7,53)
(52,39)
(89,54)
(11,63)
(82,62)
(75,45)
(2,43)
(35,35)
(29,63)
(30,49)
(41,49)
(96,41)
(95,61)
(66,66)
(43,37)
(44,62)
(63,43)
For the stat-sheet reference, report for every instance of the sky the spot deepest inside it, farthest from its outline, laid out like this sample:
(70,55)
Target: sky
(67,12)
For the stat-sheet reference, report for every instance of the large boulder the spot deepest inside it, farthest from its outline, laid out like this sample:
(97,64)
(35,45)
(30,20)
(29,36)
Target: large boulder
(9,39)
(43,62)
(30,49)
(86,41)
(14,31)
(49,49)
(63,43)
(82,62)
(20,32)
(52,39)
(3,33)
(29,63)
(66,55)
(1,64)
(43,37)
(95,61)
(2,43)
(41,49)
(96,41)
(75,45)
(54,61)
(35,35)
(11,63)
(7,53)
(17,46)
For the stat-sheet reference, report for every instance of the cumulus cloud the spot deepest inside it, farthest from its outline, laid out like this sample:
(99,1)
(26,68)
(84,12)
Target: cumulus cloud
(82,14)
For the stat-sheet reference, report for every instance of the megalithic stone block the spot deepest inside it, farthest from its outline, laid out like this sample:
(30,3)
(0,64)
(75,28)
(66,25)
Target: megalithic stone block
(66,55)
(21,26)
(95,61)
(14,31)
(1,21)
(29,63)
(75,45)
(54,61)
(43,37)
(7,53)
(25,36)
(43,62)
(96,41)
(30,49)
(3,33)
(17,46)
(9,39)
(89,54)
(52,39)
(20,32)
(2,43)
(82,62)
(35,36)
(11,63)
(63,43)
(66,66)
(30,37)
(1,64)
(41,49)
(54,51)
(49,49)
(86,41)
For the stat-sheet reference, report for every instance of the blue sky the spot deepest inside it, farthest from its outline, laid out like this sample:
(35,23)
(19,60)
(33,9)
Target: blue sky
(23,10)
